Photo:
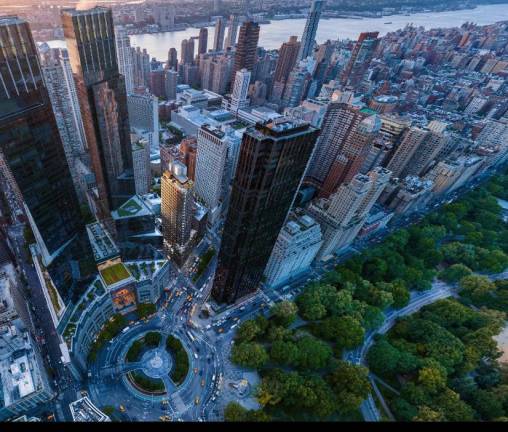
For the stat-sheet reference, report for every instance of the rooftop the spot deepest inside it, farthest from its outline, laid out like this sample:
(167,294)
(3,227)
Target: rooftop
(102,244)
(133,207)
(114,274)
(83,410)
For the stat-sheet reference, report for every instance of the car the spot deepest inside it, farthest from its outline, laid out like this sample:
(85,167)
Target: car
(221,330)
(195,370)
(121,408)
(196,401)
(203,382)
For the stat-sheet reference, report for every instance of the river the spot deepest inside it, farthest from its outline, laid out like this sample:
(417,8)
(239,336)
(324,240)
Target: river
(272,35)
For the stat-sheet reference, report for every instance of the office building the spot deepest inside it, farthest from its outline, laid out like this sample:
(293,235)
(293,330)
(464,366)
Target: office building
(172,59)
(212,149)
(187,52)
(30,144)
(240,90)
(143,112)
(271,164)
(141,65)
(171,81)
(83,410)
(102,96)
(245,56)
(188,152)
(62,93)
(295,249)
(124,54)
(309,32)
(141,164)
(218,41)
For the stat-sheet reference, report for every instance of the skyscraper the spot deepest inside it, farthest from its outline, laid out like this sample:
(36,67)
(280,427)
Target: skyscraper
(101,91)
(271,164)
(245,56)
(203,40)
(218,40)
(309,32)
(141,164)
(361,57)
(240,90)
(187,53)
(171,81)
(176,210)
(30,143)
(232,31)
(62,93)
(144,116)
(124,54)
(288,54)
(172,59)
(340,119)
(351,156)
(212,148)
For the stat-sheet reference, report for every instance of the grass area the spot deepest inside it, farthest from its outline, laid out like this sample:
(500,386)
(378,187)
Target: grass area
(150,340)
(130,208)
(203,263)
(145,309)
(53,295)
(146,384)
(180,358)
(114,274)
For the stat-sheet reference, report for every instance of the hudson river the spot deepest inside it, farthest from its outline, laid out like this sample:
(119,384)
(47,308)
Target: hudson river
(272,35)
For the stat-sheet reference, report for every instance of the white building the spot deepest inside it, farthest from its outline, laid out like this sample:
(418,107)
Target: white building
(124,57)
(240,90)
(144,116)
(141,164)
(212,148)
(296,247)
(83,410)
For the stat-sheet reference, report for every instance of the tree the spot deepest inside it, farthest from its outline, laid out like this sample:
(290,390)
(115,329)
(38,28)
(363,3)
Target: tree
(373,317)
(249,354)
(454,273)
(312,353)
(247,331)
(145,309)
(234,412)
(346,331)
(278,333)
(383,358)
(476,288)
(152,339)
(350,385)
(426,414)
(432,377)
(285,353)
(487,404)
(284,313)
(399,291)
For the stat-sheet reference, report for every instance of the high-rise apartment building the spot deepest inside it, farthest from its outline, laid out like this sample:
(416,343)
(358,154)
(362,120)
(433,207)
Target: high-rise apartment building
(218,40)
(30,143)
(352,155)
(295,88)
(202,40)
(339,121)
(342,216)
(245,56)
(295,249)
(232,32)
(288,54)
(271,164)
(64,101)
(212,148)
(176,210)
(102,95)
(411,141)
(124,54)
(172,59)
(141,64)
(311,26)
(361,56)
(188,152)
(187,52)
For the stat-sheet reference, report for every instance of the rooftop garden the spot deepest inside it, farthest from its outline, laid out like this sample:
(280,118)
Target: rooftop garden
(114,273)
(130,208)
(203,263)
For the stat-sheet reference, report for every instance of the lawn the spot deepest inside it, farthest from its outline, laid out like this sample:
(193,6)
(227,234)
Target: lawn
(114,274)
(129,208)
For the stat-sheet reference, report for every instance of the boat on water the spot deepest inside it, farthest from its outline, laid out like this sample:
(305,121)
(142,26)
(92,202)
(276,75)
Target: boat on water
(389,22)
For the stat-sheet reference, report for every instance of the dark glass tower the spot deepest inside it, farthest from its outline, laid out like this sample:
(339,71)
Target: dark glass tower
(30,144)
(101,91)
(272,161)
(361,57)
(245,56)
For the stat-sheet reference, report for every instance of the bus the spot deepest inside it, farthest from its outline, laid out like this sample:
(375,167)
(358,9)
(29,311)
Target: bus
(192,338)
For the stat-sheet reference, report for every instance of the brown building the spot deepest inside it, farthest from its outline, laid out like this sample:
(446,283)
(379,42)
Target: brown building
(245,56)
(188,149)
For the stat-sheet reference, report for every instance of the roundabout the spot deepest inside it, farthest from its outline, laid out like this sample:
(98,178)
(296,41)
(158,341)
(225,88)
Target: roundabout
(155,370)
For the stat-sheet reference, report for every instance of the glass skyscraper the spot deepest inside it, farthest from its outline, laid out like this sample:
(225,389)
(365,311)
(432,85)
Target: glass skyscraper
(30,143)
(272,161)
